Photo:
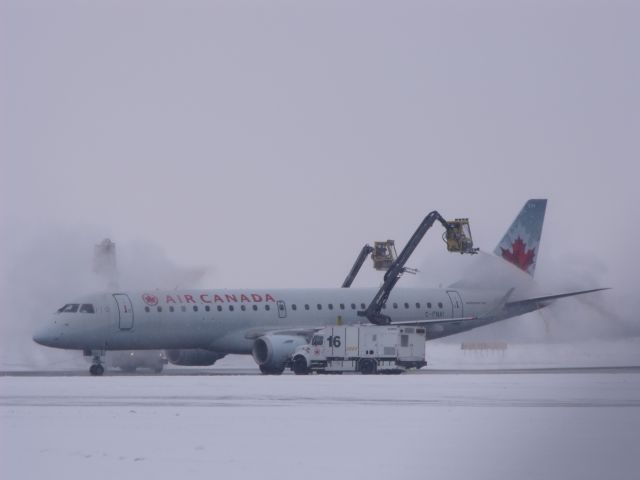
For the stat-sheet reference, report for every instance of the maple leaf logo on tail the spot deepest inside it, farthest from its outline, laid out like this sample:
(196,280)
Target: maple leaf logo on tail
(521,242)
(519,255)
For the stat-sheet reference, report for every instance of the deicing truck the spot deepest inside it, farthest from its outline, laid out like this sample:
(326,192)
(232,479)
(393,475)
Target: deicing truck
(368,349)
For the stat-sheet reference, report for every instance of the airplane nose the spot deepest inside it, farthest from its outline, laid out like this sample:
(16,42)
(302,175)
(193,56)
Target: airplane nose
(45,336)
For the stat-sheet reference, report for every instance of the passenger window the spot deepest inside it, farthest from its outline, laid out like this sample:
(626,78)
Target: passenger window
(417,304)
(306,306)
(406,305)
(243,307)
(267,307)
(293,306)
(195,308)
(363,306)
(147,309)
(183,308)
(330,306)
(319,307)
(439,304)
(87,308)
(159,309)
(353,306)
(255,308)
(395,305)
(171,309)
(342,306)
(207,308)
(231,308)
(219,308)
(428,304)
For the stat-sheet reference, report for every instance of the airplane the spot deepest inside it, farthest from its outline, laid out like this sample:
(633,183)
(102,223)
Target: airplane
(198,327)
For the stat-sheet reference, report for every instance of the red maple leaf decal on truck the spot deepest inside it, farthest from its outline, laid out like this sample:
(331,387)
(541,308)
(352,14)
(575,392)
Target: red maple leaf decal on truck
(519,255)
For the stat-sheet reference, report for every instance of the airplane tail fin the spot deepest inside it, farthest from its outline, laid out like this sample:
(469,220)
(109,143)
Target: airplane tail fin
(521,243)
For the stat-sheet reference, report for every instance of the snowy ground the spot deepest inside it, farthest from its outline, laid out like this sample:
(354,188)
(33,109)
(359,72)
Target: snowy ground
(596,353)
(482,425)
(440,355)
(542,426)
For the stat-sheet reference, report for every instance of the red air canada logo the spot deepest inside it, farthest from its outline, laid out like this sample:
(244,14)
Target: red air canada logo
(519,255)
(150,299)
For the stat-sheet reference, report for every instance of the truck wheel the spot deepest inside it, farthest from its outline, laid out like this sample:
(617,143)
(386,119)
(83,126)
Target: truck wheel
(368,367)
(300,365)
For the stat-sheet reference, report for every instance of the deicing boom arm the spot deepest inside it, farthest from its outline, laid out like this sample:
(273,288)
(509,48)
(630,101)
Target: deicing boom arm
(397,269)
(366,250)
(456,240)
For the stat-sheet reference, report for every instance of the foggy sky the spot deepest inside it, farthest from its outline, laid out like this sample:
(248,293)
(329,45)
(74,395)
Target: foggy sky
(267,141)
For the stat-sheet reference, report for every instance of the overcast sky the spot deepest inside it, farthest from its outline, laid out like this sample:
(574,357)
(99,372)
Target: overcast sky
(267,141)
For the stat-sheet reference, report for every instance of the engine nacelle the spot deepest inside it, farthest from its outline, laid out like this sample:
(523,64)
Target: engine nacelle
(271,352)
(193,357)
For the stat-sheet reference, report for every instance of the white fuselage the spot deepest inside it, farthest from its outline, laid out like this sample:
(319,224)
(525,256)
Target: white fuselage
(229,321)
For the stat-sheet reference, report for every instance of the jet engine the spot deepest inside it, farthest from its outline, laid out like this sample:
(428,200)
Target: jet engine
(193,358)
(271,352)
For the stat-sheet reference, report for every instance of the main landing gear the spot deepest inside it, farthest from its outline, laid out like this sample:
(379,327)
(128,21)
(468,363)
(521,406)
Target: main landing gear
(271,370)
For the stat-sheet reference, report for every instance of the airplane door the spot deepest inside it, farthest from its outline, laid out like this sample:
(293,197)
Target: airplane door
(282,309)
(125,311)
(456,302)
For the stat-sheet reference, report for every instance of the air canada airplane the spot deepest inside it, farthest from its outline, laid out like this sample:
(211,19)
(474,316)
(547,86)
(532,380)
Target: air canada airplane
(198,327)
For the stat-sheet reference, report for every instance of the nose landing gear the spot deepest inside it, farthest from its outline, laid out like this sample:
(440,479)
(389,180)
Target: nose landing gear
(96,368)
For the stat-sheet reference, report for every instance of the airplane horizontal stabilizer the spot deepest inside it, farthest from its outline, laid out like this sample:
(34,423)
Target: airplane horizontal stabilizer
(536,300)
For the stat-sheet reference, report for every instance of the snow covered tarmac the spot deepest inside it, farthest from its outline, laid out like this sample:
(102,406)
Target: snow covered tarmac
(410,426)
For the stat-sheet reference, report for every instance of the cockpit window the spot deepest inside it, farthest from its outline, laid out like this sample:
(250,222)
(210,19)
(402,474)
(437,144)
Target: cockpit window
(87,308)
(69,308)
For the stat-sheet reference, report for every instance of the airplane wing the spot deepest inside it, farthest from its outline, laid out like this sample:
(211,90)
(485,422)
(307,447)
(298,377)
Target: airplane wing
(545,299)
(433,320)
(302,332)
(503,302)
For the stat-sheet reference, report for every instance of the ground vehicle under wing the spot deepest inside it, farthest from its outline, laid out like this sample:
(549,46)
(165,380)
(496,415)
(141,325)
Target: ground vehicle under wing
(362,348)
